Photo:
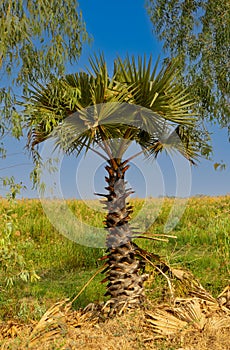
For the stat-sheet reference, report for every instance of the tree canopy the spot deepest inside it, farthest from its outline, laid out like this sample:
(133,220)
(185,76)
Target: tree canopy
(52,109)
(37,39)
(160,98)
(199,32)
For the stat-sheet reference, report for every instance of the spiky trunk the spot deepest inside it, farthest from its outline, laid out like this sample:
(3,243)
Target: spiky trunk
(125,283)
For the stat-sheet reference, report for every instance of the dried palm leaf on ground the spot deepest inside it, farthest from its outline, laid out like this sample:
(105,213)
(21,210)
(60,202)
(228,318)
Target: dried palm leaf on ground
(51,323)
(188,284)
(186,315)
(192,286)
(197,310)
(57,320)
(224,297)
(12,328)
(164,323)
(190,311)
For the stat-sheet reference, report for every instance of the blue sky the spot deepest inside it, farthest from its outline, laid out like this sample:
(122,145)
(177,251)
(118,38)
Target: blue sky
(119,28)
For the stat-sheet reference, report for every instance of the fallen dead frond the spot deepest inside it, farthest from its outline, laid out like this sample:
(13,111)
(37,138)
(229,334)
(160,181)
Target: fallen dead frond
(224,297)
(164,323)
(57,320)
(12,329)
(188,314)
(51,323)
(197,310)
(190,311)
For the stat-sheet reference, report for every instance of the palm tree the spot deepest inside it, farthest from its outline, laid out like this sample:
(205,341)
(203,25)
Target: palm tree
(105,113)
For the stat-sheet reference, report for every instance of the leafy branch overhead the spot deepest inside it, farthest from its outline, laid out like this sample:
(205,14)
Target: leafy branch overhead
(37,40)
(199,33)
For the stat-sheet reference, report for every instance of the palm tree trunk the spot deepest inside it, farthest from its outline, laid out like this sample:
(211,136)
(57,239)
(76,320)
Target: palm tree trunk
(125,283)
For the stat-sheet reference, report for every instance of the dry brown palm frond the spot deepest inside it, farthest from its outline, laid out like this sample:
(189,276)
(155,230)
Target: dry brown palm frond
(191,312)
(12,329)
(57,320)
(164,323)
(80,318)
(200,311)
(187,315)
(224,297)
(190,283)
(216,322)
(50,323)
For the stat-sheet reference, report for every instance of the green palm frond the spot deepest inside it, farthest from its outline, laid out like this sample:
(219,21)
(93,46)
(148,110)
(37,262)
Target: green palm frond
(186,141)
(161,93)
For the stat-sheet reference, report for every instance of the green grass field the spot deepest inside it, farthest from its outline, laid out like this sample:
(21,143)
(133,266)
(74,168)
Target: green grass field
(31,247)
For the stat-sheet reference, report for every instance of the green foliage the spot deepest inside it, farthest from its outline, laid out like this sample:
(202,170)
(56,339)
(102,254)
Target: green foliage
(12,261)
(199,33)
(219,166)
(37,39)
(13,188)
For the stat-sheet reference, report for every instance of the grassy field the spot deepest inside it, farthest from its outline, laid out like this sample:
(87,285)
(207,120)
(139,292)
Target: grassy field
(39,266)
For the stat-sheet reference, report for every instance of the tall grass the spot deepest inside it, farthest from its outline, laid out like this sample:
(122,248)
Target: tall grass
(202,245)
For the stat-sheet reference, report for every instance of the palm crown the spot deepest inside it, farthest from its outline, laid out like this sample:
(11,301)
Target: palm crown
(85,109)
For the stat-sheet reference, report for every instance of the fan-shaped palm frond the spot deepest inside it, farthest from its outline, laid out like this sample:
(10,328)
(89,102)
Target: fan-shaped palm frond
(162,93)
